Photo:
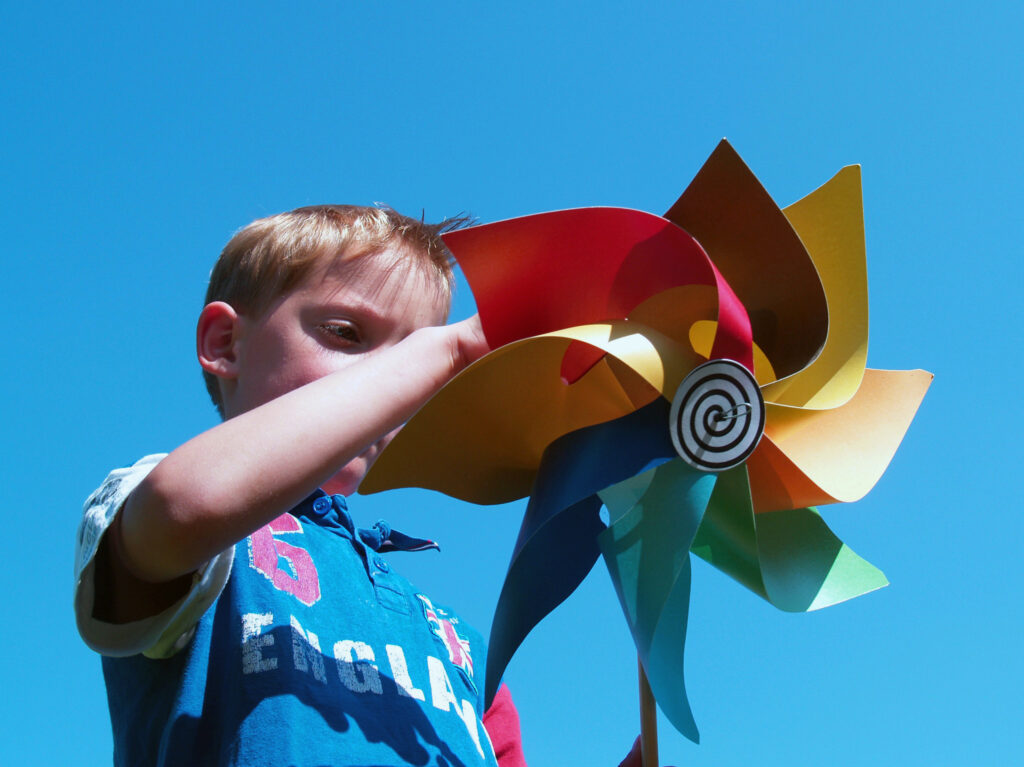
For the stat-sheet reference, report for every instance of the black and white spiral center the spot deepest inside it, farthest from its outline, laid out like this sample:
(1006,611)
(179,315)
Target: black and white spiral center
(717,416)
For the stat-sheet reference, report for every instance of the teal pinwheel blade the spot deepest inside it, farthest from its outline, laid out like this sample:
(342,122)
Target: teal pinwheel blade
(654,517)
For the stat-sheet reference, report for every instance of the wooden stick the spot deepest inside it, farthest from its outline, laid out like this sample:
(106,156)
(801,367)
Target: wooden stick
(648,722)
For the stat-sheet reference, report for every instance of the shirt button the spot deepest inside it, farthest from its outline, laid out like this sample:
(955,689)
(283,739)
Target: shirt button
(320,504)
(381,564)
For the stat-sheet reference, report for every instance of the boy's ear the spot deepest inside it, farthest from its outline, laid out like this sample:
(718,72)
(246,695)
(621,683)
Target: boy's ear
(217,334)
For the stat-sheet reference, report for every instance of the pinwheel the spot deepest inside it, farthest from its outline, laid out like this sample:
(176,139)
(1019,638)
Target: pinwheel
(700,374)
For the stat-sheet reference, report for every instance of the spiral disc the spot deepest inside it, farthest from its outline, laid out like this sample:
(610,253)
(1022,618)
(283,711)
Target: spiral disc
(717,416)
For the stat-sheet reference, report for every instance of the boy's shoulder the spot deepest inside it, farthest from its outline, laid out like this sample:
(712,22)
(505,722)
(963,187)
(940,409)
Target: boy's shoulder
(156,636)
(103,504)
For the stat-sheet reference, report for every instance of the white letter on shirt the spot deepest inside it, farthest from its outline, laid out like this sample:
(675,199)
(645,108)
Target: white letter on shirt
(253,639)
(443,697)
(468,717)
(306,652)
(400,672)
(441,693)
(353,657)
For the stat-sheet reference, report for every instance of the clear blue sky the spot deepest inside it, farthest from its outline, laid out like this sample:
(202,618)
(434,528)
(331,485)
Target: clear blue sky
(135,140)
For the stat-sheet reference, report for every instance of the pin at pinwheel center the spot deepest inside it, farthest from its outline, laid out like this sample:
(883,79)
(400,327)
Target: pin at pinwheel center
(717,416)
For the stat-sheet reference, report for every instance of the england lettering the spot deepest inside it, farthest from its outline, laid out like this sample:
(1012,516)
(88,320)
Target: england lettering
(357,667)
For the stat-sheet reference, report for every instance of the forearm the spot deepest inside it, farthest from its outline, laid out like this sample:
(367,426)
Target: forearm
(220,486)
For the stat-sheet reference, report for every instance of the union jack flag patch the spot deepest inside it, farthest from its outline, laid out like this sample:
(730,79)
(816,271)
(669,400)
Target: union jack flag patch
(443,628)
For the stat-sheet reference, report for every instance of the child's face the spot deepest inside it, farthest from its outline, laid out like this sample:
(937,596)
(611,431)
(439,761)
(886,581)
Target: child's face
(336,318)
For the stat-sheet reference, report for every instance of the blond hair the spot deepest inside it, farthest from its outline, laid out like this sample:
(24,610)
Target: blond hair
(272,256)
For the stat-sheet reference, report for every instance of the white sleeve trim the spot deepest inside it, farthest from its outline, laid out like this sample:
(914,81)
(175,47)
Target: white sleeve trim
(158,636)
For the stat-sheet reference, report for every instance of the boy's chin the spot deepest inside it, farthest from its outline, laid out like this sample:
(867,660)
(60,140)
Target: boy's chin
(340,485)
(346,481)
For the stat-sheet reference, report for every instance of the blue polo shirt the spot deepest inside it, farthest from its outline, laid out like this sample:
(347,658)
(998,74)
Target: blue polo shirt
(315,653)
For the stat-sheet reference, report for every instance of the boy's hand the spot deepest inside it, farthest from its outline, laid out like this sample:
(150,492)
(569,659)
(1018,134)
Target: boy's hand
(633,758)
(469,342)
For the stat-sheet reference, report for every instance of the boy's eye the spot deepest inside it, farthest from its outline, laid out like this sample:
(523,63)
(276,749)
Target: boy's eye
(340,331)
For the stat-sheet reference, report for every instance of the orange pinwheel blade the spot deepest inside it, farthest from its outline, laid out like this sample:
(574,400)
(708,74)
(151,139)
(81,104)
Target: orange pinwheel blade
(756,249)
(813,457)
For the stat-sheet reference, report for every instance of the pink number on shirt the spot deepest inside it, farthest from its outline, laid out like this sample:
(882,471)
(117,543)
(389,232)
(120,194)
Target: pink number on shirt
(266,552)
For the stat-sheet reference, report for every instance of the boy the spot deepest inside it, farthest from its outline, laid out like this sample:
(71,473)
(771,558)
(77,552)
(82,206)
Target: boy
(242,617)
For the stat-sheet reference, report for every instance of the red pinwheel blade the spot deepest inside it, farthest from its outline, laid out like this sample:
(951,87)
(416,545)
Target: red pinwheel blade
(541,273)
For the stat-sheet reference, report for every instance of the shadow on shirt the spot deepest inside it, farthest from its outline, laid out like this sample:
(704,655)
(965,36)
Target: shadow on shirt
(278,714)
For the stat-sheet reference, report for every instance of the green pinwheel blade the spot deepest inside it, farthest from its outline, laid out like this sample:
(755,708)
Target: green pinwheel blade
(655,516)
(726,537)
(805,566)
(790,558)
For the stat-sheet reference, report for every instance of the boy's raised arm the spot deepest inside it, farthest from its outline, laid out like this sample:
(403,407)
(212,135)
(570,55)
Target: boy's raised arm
(220,486)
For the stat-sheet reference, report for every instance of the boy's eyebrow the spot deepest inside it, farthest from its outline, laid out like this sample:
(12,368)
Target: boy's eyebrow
(362,307)
(355,305)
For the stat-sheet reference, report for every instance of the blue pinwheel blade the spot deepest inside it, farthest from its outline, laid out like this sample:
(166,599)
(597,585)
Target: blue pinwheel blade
(543,573)
(557,544)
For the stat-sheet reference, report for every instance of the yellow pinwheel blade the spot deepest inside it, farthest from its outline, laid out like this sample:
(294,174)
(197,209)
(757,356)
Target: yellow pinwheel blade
(830,222)
(702,336)
(482,436)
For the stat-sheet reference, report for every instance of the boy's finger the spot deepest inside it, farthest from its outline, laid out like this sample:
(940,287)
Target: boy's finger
(633,757)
